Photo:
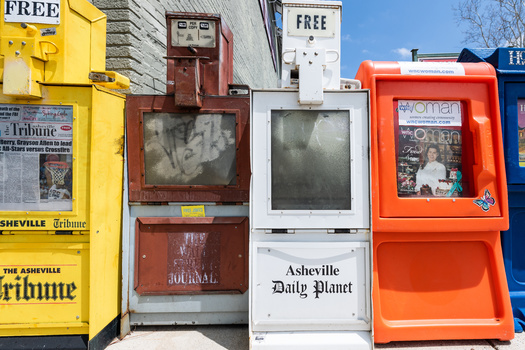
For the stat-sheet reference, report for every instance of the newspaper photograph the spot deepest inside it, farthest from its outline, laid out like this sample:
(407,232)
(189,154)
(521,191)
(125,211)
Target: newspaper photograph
(36,157)
(429,148)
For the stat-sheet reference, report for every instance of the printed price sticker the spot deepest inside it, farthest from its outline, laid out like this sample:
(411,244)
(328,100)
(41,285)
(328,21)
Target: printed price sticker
(194,211)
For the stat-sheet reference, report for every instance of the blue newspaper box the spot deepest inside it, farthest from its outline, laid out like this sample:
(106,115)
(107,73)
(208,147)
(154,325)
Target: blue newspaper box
(510,68)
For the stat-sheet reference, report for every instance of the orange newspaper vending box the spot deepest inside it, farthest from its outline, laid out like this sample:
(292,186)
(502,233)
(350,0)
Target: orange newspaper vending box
(439,200)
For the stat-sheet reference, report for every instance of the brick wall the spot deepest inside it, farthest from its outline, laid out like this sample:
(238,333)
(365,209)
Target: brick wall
(136,40)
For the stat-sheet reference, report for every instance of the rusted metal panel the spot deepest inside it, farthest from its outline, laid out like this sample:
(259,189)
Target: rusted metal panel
(187,82)
(187,190)
(217,68)
(191,255)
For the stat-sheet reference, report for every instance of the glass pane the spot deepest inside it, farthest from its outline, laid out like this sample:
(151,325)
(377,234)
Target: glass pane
(521,131)
(189,149)
(310,160)
(429,148)
(36,157)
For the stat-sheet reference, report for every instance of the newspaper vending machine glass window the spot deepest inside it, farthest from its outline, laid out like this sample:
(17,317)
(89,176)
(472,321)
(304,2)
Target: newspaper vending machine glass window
(430,148)
(189,149)
(300,139)
(180,154)
(36,157)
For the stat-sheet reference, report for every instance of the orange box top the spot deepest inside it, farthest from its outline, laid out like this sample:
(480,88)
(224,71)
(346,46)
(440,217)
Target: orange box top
(436,147)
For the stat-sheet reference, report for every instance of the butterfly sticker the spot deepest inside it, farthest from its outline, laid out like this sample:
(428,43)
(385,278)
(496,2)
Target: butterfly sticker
(485,202)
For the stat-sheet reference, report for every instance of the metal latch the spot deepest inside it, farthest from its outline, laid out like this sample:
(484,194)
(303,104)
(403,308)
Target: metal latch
(110,80)
(100,77)
(234,89)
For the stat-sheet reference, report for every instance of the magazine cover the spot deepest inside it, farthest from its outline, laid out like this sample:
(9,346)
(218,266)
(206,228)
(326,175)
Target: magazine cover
(521,130)
(429,148)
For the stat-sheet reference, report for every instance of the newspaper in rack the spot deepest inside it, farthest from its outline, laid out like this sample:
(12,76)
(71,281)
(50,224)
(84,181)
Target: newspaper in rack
(36,153)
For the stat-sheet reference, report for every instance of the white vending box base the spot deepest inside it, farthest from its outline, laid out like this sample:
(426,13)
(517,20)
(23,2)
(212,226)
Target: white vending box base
(307,340)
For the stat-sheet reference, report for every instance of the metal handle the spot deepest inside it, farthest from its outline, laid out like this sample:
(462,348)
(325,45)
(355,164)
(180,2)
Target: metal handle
(284,56)
(333,51)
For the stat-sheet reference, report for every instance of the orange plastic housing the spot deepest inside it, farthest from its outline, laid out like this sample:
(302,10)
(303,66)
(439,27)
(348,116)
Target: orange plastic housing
(438,269)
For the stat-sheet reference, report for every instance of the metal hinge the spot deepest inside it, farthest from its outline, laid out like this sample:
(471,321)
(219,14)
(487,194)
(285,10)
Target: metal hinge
(348,231)
(280,231)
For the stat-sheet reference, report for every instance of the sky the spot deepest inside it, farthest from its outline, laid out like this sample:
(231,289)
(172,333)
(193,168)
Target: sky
(386,30)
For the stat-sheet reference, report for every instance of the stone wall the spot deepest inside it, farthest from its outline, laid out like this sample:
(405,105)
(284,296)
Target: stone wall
(136,40)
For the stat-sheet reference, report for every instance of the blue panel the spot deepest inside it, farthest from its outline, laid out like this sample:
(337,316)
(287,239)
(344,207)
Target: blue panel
(503,58)
(476,55)
(513,91)
(510,67)
(509,58)
(517,247)
(513,245)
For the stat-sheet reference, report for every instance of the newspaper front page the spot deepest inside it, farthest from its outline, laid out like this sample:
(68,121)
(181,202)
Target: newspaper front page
(36,153)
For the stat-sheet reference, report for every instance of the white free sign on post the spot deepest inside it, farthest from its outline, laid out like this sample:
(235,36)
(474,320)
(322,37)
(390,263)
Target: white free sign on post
(310,286)
(311,25)
(318,22)
(32,11)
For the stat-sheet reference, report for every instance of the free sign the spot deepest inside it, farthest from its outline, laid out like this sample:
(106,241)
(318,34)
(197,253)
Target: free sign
(32,11)
(319,22)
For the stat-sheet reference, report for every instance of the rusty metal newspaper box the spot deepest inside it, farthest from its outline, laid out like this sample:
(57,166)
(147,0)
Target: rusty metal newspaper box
(200,56)
(188,185)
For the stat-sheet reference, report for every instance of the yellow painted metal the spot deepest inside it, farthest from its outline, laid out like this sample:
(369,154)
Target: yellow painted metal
(105,215)
(44,286)
(60,256)
(94,222)
(44,329)
(80,99)
(32,54)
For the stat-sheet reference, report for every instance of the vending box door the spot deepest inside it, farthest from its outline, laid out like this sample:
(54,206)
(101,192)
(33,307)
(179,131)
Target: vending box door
(44,187)
(514,131)
(310,164)
(436,146)
(188,155)
(513,240)
(195,269)
(206,255)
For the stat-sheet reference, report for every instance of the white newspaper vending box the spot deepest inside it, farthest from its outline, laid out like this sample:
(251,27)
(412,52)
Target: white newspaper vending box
(309,203)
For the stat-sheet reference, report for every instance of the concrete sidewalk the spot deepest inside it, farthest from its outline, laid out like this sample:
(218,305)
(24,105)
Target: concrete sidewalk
(235,337)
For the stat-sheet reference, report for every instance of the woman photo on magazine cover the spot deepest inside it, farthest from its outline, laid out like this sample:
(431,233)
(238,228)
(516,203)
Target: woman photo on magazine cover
(430,172)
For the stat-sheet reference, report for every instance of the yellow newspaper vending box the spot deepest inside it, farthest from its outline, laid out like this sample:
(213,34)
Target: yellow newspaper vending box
(61,169)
